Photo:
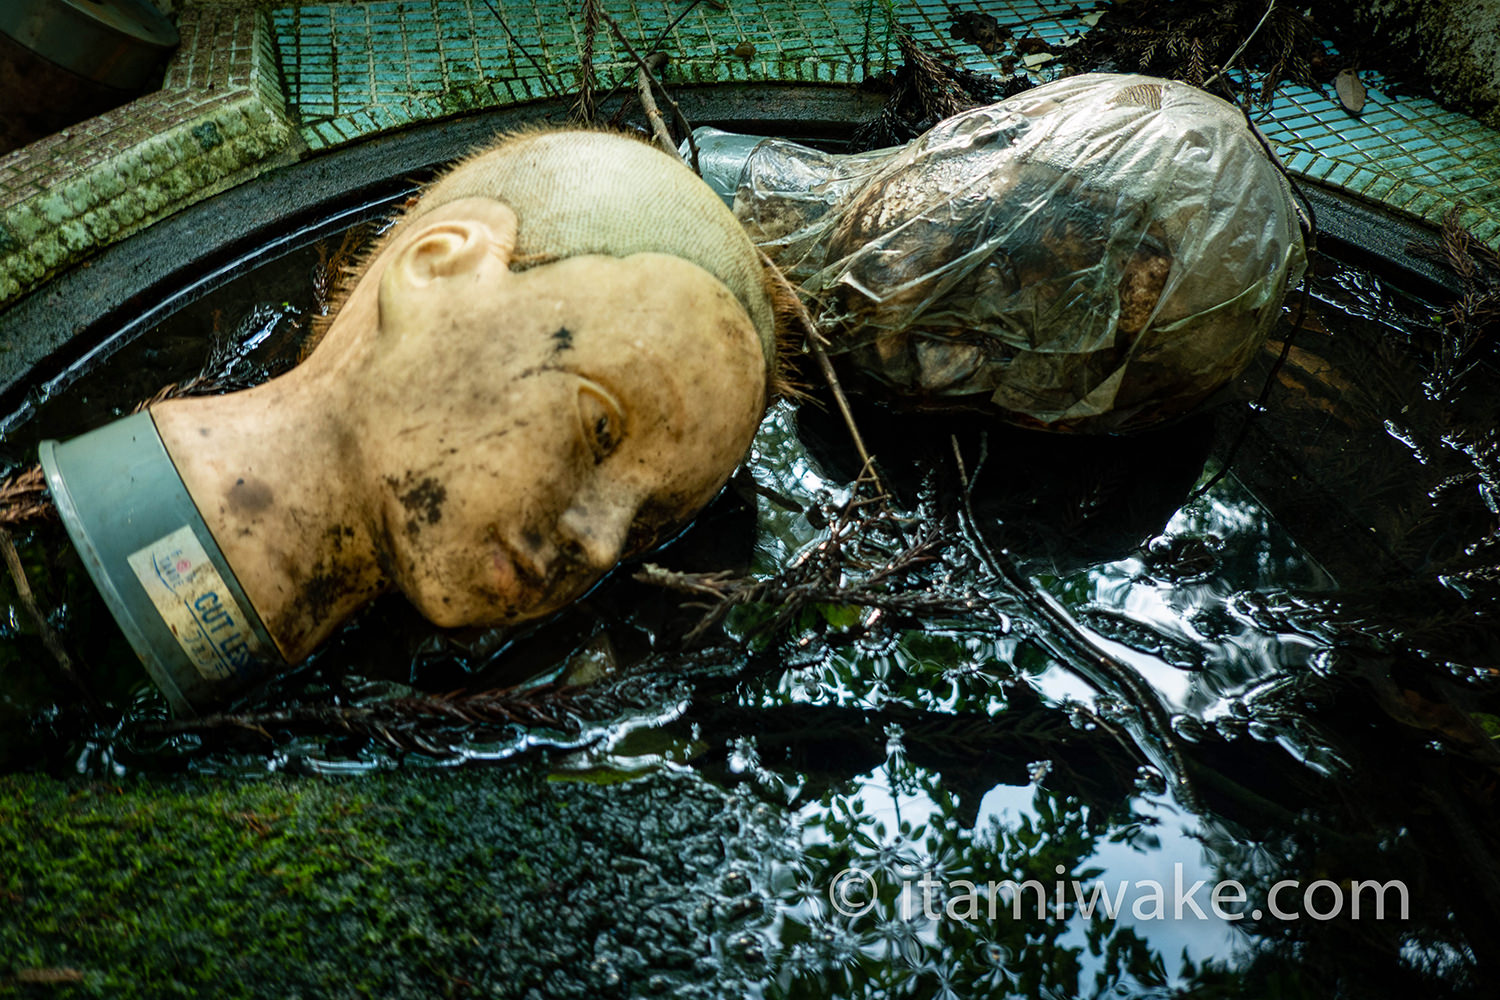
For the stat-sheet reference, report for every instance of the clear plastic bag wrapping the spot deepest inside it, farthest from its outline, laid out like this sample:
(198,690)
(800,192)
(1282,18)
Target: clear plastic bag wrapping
(1100,253)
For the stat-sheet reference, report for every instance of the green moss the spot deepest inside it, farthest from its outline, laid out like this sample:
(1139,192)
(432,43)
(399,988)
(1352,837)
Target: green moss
(46,252)
(24,224)
(75,235)
(54,208)
(460,100)
(395,885)
(207,134)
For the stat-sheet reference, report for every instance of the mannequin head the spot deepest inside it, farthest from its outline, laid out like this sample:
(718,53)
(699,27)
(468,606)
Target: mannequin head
(551,362)
(576,413)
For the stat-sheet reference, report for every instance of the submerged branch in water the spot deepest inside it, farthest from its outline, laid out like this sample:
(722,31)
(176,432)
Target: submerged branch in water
(1072,645)
(39,620)
(848,568)
(412,724)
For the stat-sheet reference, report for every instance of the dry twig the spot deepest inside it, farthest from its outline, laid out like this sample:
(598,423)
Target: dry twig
(643,66)
(38,620)
(656,44)
(1182,40)
(540,72)
(815,345)
(849,568)
(23,497)
(653,114)
(1227,64)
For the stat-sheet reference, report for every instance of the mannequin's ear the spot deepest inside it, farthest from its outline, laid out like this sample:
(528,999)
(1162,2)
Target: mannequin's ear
(455,239)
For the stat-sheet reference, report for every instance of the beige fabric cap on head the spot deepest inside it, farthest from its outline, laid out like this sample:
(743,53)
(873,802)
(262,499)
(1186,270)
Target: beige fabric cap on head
(585,192)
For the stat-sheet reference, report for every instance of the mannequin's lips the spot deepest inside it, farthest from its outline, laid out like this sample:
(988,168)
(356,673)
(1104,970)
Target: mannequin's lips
(537,588)
(515,571)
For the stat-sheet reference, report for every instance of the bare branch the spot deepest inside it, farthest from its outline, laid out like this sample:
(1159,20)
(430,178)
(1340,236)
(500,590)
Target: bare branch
(412,724)
(653,114)
(38,620)
(815,344)
(644,66)
(541,73)
(1228,63)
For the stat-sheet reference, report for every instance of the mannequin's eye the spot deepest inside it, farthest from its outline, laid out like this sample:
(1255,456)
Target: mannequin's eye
(602,423)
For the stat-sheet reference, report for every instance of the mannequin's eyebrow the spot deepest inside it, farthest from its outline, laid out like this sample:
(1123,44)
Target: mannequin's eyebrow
(602,388)
(602,418)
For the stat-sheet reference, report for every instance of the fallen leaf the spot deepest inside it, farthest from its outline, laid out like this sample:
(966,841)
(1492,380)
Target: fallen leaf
(1351,92)
(981,29)
(1033,45)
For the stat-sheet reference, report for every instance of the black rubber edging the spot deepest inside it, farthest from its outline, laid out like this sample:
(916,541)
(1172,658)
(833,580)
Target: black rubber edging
(1379,239)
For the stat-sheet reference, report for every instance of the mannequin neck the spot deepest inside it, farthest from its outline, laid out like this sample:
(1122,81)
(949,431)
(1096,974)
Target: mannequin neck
(270,470)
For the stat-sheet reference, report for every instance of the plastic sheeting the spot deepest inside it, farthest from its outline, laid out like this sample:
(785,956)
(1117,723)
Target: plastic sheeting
(1100,253)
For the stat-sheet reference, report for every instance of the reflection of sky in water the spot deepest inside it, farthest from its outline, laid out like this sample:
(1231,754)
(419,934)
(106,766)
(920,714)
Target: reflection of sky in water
(779,461)
(1134,863)
(1166,854)
(1138,609)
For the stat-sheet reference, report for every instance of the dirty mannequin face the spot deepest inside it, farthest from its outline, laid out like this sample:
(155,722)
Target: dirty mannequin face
(489,441)
(567,415)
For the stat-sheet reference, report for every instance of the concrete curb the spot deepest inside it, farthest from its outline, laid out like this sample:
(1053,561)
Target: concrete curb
(219,120)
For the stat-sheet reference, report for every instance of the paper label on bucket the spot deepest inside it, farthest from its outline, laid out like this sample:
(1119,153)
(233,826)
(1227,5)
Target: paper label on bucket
(195,604)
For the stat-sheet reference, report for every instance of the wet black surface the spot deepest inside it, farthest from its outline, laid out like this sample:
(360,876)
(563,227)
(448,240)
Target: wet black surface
(1312,645)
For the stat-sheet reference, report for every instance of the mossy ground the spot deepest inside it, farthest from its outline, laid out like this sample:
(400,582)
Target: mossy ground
(491,883)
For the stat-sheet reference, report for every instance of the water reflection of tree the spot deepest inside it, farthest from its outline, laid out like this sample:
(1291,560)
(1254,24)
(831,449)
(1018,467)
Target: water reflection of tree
(897,949)
(961,955)
(946,753)
(1350,748)
(1268,816)
(1368,755)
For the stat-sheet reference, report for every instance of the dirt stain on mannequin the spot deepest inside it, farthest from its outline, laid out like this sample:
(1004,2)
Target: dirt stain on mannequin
(552,361)
(423,500)
(248,497)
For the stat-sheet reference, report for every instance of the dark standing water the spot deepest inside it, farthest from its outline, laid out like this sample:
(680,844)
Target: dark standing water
(1300,693)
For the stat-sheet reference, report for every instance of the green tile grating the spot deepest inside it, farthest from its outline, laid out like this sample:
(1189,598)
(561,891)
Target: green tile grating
(352,70)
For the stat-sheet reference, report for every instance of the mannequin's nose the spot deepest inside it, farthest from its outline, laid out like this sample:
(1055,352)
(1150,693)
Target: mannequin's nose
(598,529)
